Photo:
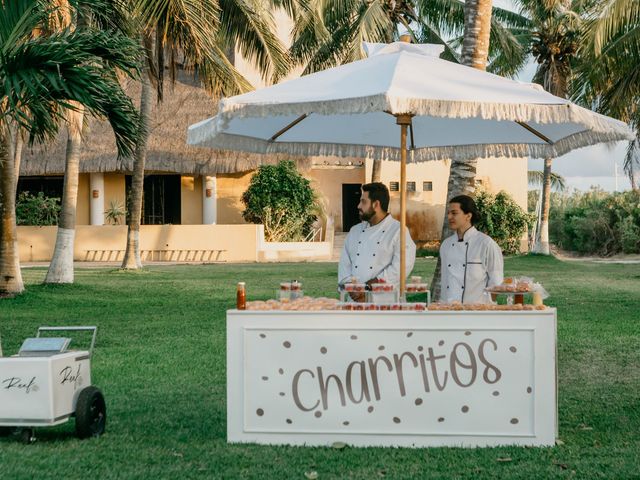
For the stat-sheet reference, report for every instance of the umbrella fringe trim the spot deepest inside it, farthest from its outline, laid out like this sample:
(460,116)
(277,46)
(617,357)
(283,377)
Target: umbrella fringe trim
(223,141)
(538,113)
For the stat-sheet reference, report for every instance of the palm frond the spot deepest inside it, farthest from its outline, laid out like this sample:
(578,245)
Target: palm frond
(536,178)
(251,25)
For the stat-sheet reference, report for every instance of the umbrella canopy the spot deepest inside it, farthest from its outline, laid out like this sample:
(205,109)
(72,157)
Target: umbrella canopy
(457,113)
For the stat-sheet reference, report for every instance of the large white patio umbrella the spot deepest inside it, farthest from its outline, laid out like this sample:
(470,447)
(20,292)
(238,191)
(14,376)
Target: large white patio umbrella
(449,111)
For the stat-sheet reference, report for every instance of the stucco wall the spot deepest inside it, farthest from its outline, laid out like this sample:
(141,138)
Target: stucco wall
(230,188)
(114,190)
(36,244)
(191,204)
(327,182)
(84,198)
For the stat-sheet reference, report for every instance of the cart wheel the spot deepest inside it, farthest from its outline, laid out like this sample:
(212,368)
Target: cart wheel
(27,435)
(91,413)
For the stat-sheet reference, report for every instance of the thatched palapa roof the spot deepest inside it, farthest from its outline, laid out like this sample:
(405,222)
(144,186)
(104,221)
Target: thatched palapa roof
(184,103)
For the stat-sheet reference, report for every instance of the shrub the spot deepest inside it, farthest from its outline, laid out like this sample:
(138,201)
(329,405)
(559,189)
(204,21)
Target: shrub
(37,209)
(282,200)
(596,222)
(502,219)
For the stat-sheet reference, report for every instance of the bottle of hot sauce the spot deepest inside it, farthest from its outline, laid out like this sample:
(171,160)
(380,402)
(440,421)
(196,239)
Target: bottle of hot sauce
(241,297)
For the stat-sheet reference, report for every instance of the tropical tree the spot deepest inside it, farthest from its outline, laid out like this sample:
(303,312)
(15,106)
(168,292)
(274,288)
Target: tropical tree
(610,78)
(199,32)
(41,77)
(105,15)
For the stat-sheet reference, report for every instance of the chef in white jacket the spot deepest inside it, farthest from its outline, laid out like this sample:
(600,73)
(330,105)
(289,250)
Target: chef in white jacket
(470,260)
(372,248)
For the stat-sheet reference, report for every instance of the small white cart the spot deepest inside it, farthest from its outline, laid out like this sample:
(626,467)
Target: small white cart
(45,385)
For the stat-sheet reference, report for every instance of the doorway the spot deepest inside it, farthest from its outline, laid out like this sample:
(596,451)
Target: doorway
(161,202)
(350,198)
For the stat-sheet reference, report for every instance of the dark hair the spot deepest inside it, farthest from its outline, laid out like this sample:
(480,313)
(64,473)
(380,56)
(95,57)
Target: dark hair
(378,191)
(467,205)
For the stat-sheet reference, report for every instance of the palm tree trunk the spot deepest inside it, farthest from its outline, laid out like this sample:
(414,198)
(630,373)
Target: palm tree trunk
(475,52)
(10,150)
(132,254)
(61,267)
(375,171)
(477,26)
(542,242)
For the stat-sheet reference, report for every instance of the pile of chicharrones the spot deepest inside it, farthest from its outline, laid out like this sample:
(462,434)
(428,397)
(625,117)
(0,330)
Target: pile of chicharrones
(482,306)
(303,303)
(323,303)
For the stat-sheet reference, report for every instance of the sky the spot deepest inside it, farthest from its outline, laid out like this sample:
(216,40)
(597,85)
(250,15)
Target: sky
(585,167)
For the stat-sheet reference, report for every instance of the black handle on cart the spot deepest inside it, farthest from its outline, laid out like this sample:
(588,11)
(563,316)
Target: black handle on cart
(72,329)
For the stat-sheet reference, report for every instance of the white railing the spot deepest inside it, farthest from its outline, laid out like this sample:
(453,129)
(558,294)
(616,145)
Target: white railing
(314,235)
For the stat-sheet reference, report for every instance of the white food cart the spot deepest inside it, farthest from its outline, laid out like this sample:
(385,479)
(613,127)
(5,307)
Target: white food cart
(45,385)
(414,379)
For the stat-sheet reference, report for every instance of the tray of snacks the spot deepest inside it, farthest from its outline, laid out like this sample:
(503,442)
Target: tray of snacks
(457,306)
(397,306)
(299,304)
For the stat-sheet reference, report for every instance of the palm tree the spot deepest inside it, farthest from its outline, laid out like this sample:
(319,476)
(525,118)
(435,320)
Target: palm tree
(610,79)
(77,14)
(41,76)
(199,32)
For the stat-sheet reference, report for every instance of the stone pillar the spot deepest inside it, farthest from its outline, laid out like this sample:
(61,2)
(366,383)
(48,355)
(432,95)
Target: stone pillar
(96,198)
(209,199)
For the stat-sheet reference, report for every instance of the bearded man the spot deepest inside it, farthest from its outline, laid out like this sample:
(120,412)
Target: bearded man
(371,250)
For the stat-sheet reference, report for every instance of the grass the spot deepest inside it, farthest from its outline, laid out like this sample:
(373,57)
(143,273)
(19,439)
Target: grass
(160,360)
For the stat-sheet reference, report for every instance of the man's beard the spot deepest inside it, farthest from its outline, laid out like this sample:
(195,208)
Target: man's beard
(366,216)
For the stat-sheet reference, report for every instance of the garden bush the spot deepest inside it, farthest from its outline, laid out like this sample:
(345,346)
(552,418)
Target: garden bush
(282,200)
(596,222)
(37,209)
(502,219)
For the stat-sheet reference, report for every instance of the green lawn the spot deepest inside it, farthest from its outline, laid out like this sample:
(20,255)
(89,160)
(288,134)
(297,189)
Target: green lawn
(160,360)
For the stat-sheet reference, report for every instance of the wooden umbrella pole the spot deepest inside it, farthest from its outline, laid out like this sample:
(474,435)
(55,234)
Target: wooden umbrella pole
(404,120)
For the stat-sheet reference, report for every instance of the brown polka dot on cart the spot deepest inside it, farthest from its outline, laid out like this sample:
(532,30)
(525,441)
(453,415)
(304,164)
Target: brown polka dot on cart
(289,421)
(262,335)
(514,421)
(381,347)
(410,334)
(441,419)
(318,414)
(265,378)
(323,350)
(345,423)
(441,342)
(280,371)
(396,420)
(260,412)
(495,393)
(286,344)
(513,349)
(529,389)
(420,348)
(354,337)
(467,333)
(370,409)
(418,401)
(464,409)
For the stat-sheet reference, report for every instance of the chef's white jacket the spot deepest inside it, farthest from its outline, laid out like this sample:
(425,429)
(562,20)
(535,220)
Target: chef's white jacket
(374,252)
(469,266)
